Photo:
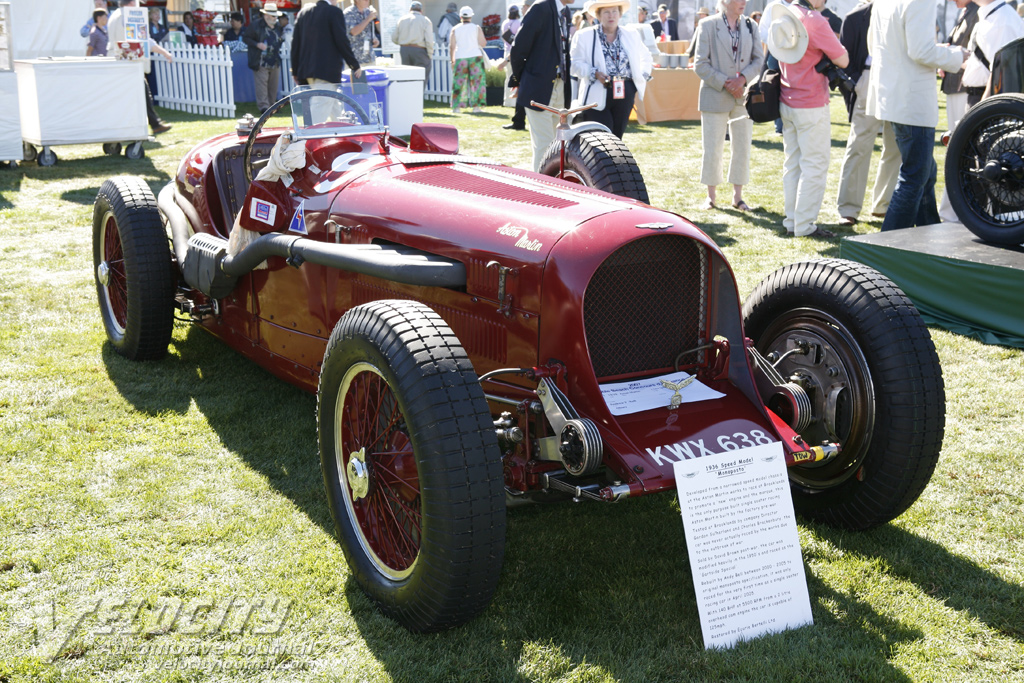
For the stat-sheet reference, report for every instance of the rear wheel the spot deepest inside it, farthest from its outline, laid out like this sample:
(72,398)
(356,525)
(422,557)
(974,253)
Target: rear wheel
(411,465)
(873,379)
(985,169)
(133,269)
(600,160)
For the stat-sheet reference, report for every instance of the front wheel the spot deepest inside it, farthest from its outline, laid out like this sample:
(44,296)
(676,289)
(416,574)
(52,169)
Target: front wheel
(600,160)
(133,269)
(864,356)
(411,465)
(985,169)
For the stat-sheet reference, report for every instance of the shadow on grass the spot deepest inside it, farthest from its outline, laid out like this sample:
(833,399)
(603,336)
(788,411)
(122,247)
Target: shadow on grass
(960,583)
(269,424)
(607,588)
(585,588)
(10,184)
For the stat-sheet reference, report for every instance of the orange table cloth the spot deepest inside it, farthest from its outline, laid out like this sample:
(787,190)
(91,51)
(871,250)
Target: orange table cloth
(670,96)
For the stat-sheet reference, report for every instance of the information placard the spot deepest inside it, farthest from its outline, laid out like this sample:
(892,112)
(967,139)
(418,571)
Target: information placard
(742,539)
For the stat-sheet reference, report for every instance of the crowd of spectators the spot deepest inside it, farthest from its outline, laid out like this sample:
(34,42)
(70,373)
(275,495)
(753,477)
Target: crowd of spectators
(891,51)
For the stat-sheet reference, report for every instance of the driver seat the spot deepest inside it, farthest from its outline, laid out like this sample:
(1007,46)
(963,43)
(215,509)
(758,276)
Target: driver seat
(229,174)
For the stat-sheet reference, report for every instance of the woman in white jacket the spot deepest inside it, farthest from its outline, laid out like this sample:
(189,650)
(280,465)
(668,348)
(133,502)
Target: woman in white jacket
(612,66)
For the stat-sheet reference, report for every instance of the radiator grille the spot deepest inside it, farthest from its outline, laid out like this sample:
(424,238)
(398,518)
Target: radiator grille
(646,304)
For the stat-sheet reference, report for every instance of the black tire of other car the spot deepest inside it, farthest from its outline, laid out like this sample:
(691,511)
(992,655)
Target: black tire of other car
(411,464)
(985,169)
(873,369)
(111,149)
(600,160)
(133,269)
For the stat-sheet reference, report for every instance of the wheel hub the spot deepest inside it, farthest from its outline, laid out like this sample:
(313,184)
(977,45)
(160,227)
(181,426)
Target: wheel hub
(103,273)
(358,474)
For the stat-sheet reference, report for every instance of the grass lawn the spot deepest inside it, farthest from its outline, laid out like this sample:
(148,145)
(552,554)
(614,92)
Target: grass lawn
(167,521)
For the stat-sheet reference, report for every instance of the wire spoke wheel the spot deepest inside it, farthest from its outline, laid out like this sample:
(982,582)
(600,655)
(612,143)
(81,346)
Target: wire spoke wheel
(985,169)
(411,465)
(133,269)
(111,274)
(377,471)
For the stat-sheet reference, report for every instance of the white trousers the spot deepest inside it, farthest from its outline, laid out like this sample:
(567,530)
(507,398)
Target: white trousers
(853,178)
(806,142)
(713,125)
(956,107)
(542,125)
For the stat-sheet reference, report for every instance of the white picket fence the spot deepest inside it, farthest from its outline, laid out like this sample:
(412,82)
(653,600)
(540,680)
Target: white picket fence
(439,85)
(198,81)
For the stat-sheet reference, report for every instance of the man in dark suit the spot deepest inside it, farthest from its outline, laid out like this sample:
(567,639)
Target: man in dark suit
(853,177)
(540,70)
(320,45)
(662,22)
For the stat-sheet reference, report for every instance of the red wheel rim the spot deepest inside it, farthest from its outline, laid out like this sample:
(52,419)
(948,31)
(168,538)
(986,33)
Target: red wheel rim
(116,286)
(377,470)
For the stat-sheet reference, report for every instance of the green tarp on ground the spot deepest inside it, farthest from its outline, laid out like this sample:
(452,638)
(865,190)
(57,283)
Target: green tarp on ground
(957,281)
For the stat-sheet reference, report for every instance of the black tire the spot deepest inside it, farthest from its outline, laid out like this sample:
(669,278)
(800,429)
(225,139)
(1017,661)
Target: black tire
(133,269)
(600,160)
(395,375)
(112,149)
(135,151)
(47,158)
(874,363)
(985,169)
(29,152)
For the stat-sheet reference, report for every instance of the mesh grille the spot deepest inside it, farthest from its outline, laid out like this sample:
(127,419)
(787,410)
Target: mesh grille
(645,305)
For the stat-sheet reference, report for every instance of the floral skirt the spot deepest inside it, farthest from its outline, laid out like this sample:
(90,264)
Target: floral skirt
(468,88)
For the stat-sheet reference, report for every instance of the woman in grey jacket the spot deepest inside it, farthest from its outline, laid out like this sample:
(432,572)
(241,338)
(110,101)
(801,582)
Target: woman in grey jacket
(728,56)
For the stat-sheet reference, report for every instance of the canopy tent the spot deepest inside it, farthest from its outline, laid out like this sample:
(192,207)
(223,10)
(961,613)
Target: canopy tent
(49,28)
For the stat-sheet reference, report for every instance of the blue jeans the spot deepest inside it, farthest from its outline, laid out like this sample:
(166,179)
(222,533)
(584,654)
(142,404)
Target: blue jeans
(913,201)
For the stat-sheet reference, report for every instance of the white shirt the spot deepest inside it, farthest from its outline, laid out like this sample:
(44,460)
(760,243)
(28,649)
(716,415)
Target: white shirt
(998,24)
(904,57)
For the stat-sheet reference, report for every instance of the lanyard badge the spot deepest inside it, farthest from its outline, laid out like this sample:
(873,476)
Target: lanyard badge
(618,88)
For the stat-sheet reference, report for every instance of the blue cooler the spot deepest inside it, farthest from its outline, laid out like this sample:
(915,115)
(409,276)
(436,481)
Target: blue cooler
(378,81)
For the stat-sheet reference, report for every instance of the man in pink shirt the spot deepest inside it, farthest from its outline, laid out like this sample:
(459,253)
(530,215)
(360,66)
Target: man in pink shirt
(799,37)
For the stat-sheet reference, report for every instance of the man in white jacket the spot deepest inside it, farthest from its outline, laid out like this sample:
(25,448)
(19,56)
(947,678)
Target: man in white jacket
(902,90)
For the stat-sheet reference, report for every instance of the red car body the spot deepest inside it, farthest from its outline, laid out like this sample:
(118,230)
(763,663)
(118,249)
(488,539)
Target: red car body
(552,236)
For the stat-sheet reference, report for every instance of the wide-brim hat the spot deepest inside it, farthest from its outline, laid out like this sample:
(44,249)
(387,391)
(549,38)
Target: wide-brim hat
(787,37)
(271,9)
(594,7)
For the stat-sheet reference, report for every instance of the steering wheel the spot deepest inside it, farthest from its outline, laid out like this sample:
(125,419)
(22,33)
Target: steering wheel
(300,97)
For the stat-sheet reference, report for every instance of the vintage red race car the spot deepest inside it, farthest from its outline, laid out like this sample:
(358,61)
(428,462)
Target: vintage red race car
(479,335)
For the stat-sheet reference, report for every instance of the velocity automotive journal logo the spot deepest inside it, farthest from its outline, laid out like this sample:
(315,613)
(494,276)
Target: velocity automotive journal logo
(226,633)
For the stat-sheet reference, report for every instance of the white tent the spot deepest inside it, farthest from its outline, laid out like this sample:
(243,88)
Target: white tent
(49,28)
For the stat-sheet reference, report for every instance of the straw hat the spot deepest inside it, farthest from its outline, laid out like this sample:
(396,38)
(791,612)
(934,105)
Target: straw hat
(271,9)
(594,7)
(787,37)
